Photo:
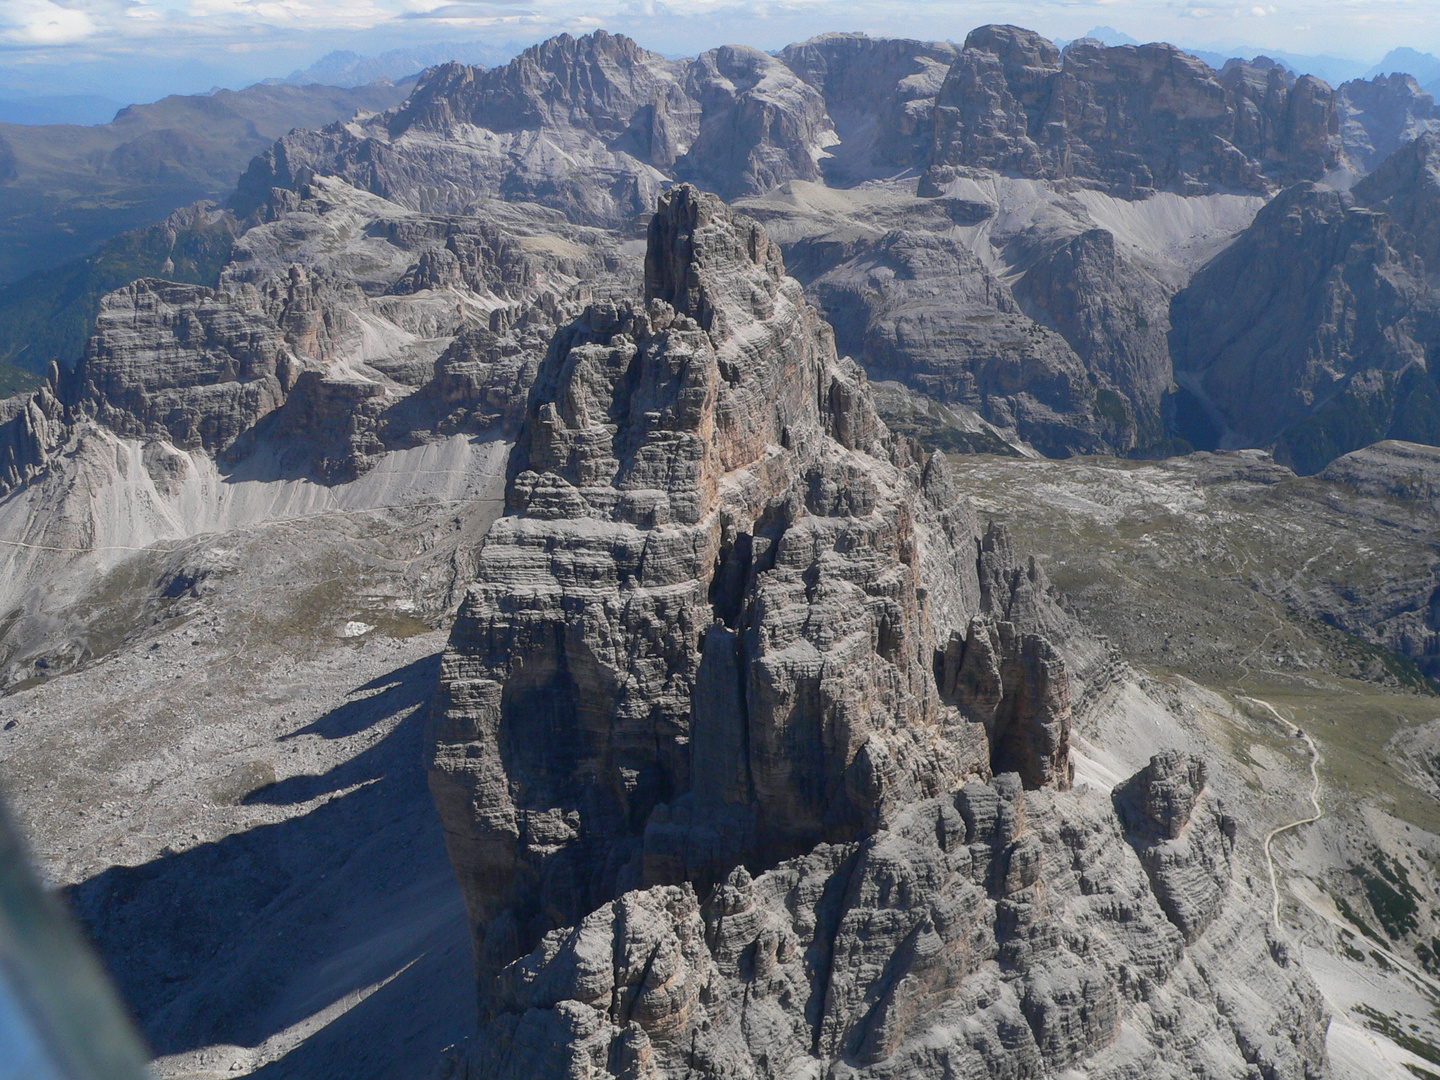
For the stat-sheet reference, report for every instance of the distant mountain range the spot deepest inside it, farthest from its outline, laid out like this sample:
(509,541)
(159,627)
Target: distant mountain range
(1333,69)
(64,189)
(344,68)
(1424,66)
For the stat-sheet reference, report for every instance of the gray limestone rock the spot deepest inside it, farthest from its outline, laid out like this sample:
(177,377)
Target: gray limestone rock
(1182,837)
(880,95)
(180,363)
(1382,114)
(1406,187)
(1127,119)
(703,632)
(342,329)
(1317,329)
(1017,687)
(991,932)
(593,126)
(920,308)
(32,429)
(613,113)
(1116,318)
(760,123)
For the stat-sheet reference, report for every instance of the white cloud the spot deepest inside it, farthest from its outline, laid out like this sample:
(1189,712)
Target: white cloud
(43,22)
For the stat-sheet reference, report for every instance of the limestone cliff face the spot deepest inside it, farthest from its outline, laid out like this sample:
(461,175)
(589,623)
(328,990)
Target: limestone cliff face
(339,329)
(613,116)
(179,363)
(1182,836)
(1406,188)
(1128,119)
(760,123)
(593,126)
(1316,330)
(921,308)
(880,94)
(32,430)
(993,932)
(1115,317)
(1380,115)
(707,629)
(1066,347)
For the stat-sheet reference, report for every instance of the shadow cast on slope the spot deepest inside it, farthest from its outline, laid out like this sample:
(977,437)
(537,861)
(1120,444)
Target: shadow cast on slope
(405,688)
(244,939)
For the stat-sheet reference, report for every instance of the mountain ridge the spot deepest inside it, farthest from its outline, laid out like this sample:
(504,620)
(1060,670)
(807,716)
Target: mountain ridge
(758,742)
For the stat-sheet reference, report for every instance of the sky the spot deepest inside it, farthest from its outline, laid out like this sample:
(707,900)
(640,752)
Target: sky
(136,50)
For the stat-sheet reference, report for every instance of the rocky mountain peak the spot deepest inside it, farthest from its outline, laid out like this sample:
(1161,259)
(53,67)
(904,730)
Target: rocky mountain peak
(1329,346)
(1406,187)
(1014,103)
(1017,48)
(701,258)
(704,634)
(1382,114)
(596,82)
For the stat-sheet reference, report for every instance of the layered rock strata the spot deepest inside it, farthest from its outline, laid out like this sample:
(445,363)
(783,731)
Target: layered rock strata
(992,932)
(178,363)
(341,328)
(1183,838)
(1129,119)
(921,308)
(706,630)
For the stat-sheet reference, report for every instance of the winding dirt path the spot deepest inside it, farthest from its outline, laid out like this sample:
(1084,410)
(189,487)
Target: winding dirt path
(1298,731)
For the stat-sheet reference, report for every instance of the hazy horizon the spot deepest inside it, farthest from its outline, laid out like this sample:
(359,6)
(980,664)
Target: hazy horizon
(124,50)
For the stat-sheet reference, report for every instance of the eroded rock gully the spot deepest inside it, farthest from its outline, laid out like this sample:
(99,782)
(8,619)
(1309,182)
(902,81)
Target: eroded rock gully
(752,752)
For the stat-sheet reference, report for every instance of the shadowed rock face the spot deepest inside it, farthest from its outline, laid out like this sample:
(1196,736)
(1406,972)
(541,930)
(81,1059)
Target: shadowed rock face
(32,430)
(706,629)
(1406,188)
(880,94)
(921,308)
(1317,329)
(1128,119)
(760,124)
(1182,837)
(1380,115)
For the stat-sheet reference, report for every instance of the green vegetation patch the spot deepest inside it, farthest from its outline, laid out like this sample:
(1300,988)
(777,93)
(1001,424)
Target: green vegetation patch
(1429,955)
(1355,920)
(1388,1026)
(1392,897)
(1112,406)
(48,316)
(1345,938)
(14,380)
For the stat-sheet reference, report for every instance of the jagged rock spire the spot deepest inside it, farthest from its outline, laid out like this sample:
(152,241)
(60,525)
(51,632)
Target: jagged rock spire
(701,635)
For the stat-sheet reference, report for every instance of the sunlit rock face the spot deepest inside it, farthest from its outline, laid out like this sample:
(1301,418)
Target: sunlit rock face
(707,629)
(1128,119)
